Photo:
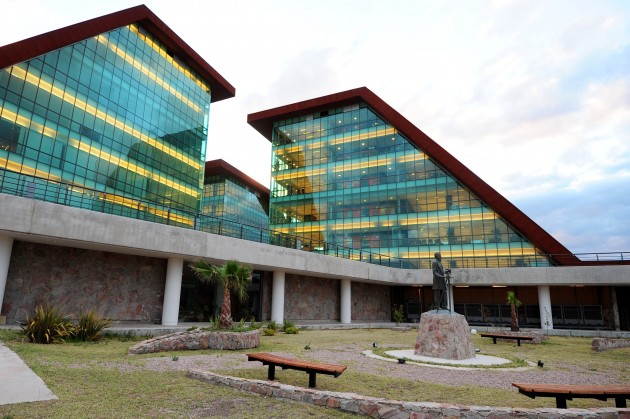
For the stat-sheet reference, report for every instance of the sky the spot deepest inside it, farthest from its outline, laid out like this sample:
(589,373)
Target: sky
(533,96)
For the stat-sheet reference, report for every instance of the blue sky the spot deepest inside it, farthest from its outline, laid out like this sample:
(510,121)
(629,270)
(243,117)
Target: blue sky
(533,96)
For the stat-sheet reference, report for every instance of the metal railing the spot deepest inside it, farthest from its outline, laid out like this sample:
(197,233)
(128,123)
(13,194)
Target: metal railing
(117,204)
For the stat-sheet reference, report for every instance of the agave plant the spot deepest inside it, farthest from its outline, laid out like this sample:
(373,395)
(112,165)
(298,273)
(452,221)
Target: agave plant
(47,325)
(233,276)
(90,326)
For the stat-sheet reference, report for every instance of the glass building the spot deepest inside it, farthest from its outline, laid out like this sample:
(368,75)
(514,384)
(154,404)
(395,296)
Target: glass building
(348,179)
(231,195)
(116,119)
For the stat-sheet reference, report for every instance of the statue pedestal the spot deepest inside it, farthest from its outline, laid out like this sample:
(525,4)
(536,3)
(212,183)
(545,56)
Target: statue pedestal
(444,335)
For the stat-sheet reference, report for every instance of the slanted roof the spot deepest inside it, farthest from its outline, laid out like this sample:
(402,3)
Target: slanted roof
(221,167)
(263,122)
(41,44)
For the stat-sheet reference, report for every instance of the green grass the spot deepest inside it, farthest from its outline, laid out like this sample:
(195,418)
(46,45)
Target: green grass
(88,383)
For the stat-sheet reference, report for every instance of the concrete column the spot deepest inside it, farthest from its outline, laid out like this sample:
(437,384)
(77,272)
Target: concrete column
(544,304)
(172,291)
(6,244)
(346,301)
(277,297)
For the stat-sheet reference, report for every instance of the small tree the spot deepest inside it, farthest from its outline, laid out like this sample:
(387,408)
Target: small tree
(233,276)
(514,304)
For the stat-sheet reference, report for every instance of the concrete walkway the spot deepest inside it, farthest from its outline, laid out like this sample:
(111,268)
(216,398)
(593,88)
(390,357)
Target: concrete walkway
(18,383)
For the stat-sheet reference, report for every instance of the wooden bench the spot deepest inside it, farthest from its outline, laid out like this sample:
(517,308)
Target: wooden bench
(564,392)
(312,368)
(496,336)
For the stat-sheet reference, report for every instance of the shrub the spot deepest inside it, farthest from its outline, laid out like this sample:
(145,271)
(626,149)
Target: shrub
(398,313)
(90,326)
(273,325)
(47,325)
(288,325)
(215,323)
(253,324)
(269,332)
(236,327)
(291,330)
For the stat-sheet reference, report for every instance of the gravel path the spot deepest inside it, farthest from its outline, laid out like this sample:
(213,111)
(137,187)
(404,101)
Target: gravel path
(351,355)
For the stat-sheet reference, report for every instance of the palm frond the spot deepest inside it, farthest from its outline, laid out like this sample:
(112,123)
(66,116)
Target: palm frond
(207,273)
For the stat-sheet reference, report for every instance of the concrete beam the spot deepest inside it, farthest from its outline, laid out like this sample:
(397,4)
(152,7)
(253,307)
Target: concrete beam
(43,222)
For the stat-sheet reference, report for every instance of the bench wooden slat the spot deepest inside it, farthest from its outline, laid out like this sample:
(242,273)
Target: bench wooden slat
(297,363)
(495,336)
(506,336)
(564,392)
(312,368)
(612,390)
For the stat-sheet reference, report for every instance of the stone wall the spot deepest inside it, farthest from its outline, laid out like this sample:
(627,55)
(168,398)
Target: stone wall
(383,408)
(605,344)
(370,302)
(119,287)
(198,339)
(311,298)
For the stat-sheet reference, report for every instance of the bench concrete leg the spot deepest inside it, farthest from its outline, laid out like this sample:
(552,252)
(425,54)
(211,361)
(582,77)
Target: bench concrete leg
(311,379)
(620,402)
(561,402)
(518,342)
(494,340)
(271,374)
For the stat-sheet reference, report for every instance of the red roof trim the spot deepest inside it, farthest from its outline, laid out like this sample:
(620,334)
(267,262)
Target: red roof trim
(33,47)
(263,122)
(221,167)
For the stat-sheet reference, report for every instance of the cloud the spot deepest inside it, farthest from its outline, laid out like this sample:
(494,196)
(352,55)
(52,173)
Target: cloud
(592,219)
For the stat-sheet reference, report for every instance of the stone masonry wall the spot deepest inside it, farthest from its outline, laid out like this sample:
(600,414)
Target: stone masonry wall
(444,335)
(311,298)
(605,344)
(119,287)
(370,302)
(383,408)
(198,339)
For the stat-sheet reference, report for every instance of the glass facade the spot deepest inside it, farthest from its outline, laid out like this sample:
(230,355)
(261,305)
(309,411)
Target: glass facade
(116,116)
(229,199)
(345,178)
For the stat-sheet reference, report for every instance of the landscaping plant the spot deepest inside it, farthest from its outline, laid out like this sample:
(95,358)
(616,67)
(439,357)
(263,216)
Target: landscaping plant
(90,326)
(47,325)
(233,276)
(514,304)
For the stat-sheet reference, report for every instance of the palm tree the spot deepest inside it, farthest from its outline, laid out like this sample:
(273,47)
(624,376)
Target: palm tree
(514,303)
(233,276)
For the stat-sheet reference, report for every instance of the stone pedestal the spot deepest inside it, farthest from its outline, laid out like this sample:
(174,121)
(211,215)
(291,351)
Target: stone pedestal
(444,335)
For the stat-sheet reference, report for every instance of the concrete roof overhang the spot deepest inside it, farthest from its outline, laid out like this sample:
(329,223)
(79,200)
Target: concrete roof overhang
(36,221)
(33,47)
(263,122)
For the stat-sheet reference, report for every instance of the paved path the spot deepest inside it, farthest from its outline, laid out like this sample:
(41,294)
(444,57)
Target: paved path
(18,383)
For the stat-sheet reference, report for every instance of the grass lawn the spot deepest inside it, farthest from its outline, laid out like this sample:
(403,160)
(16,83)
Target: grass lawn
(101,380)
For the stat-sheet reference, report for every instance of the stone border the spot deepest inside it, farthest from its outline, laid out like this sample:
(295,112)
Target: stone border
(384,408)
(198,339)
(605,344)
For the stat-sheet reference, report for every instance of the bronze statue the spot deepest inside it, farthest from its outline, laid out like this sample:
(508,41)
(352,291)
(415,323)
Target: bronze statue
(439,282)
